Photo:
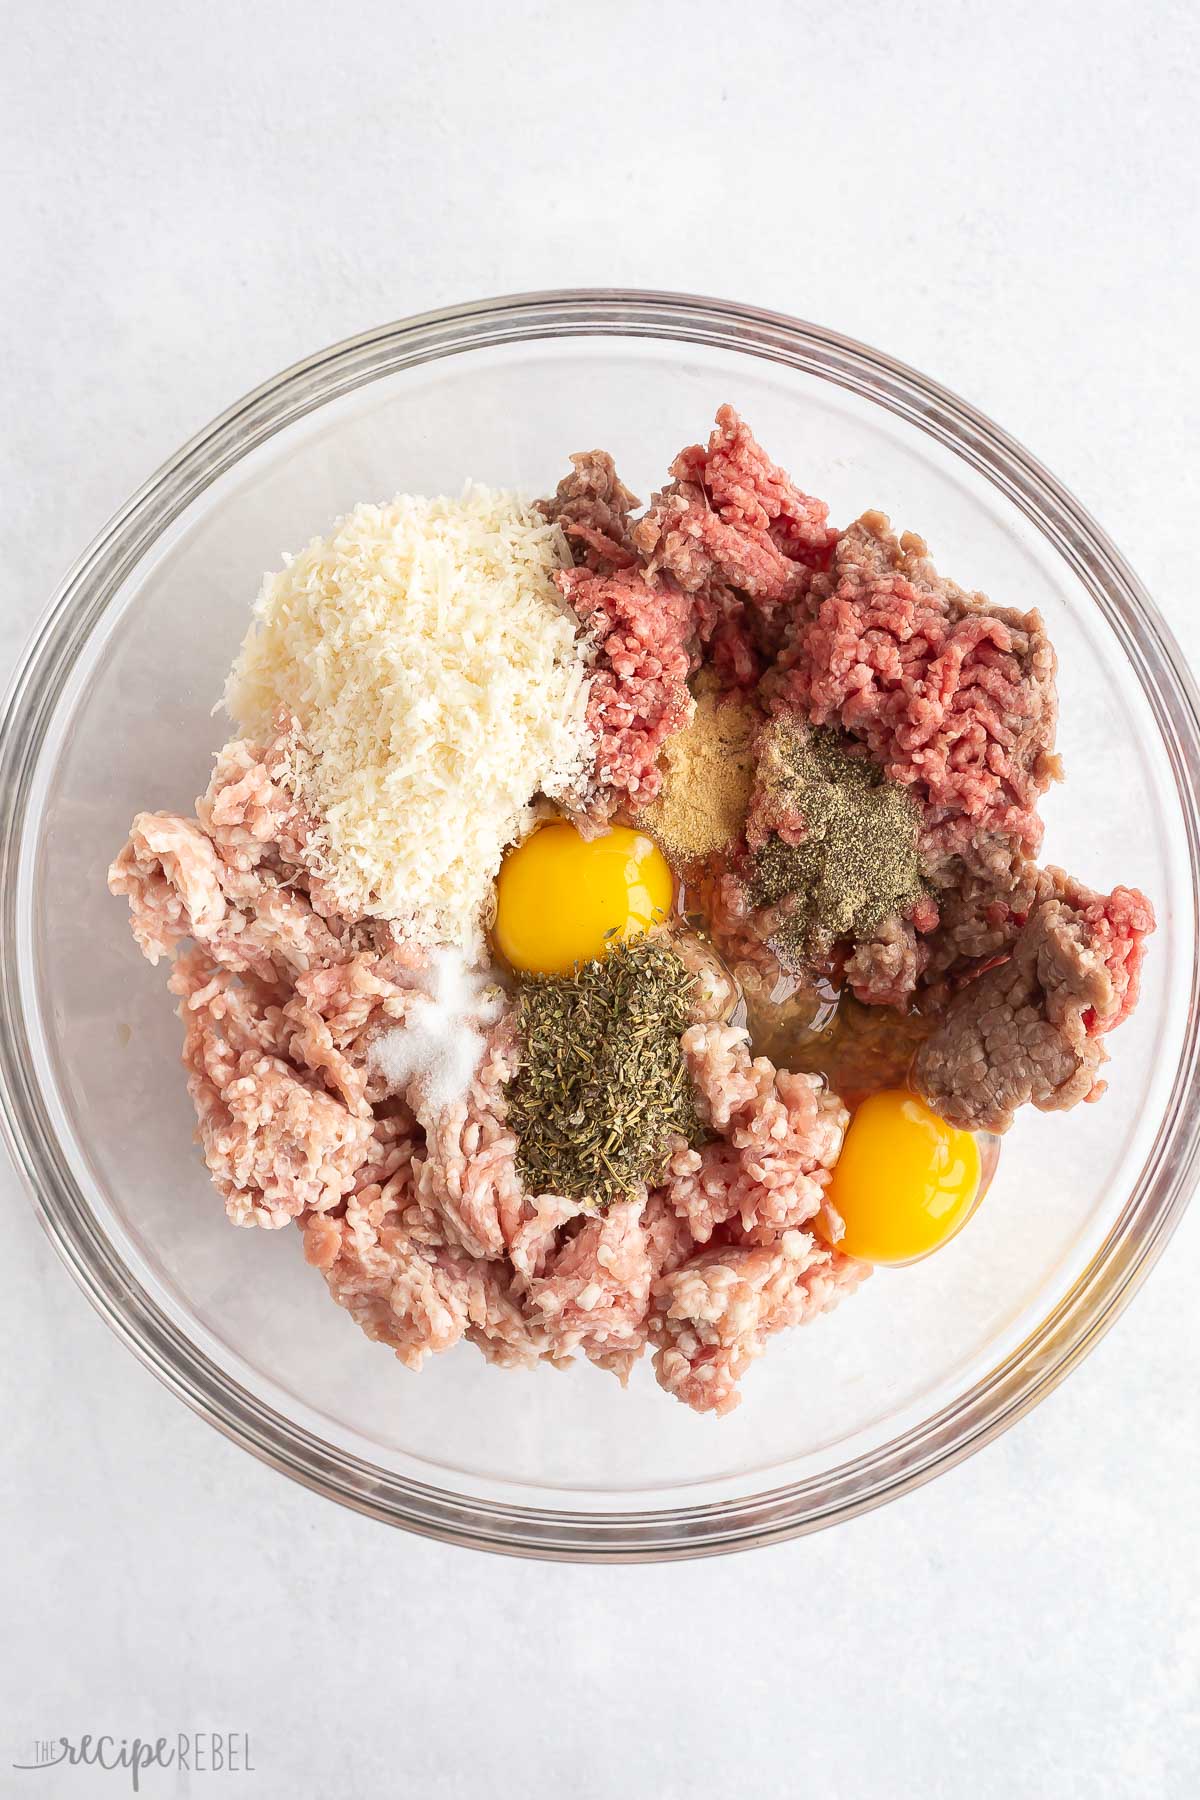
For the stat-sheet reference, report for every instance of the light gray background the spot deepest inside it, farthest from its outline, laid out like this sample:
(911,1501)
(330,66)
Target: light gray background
(1004,195)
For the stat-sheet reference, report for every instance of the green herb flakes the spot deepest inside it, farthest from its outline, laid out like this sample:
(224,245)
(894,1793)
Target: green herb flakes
(602,1088)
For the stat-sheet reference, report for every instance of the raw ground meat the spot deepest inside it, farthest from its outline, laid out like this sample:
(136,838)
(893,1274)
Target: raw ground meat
(232,879)
(277,1141)
(951,696)
(595,1292)
(638,694)
(407,1289)
(528,1277)
(883,970)
(712,1317)
(731,517)
(716,565)
(735,532)
(779,1137)
(1032,1027)
(978,924)
(592,506)
(414,1213)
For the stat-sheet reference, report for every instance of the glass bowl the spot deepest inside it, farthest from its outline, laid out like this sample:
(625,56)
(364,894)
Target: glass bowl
(112,712)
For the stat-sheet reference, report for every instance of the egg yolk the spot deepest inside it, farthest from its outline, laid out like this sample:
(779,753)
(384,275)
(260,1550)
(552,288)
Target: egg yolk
(905,1180)
(562,898)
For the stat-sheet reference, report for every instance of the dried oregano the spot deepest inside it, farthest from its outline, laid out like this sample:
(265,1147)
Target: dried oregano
(602,1087)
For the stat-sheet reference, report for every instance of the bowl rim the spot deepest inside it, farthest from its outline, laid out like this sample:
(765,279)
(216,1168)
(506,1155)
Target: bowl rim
(1049,1351)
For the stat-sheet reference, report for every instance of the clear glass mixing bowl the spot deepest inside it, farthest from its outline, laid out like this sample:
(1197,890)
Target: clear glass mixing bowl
(112,711)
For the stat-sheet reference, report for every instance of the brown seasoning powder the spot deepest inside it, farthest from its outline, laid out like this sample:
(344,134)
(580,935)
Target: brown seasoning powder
(708,772)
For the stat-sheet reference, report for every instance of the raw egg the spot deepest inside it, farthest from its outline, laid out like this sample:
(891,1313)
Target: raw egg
(562,898)
(905,1180)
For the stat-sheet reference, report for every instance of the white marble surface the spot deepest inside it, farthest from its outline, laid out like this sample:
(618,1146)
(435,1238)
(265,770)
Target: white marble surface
(1005,196)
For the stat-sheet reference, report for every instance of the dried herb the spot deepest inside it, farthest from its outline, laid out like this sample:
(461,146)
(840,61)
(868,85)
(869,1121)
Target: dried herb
(602,1087)
(858,861)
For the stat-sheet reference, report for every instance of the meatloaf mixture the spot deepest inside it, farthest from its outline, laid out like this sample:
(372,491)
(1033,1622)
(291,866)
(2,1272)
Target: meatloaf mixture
(850,924)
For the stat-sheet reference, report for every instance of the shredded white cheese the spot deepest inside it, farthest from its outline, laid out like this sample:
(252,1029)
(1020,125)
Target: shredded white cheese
(439,686)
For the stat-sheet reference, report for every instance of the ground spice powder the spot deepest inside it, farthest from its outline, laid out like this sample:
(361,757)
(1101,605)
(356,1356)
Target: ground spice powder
(857,861)
(708,772)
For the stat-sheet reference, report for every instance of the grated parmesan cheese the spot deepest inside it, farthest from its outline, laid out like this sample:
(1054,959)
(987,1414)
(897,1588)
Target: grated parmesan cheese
(438,684)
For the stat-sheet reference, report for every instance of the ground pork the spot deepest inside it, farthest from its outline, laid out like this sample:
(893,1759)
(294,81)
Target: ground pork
(232,879)
(594,1294)
(780,1135)
(414,1212)
(738,930)
(592,505)
(539,1233)
(712,1317)
(408,1291)
(713,995)
(467,1175)
(171,875)
(278,1142)
(250,812)
(1031,1028)
(638,693)
(368,988)
(951,696)
(394,1288)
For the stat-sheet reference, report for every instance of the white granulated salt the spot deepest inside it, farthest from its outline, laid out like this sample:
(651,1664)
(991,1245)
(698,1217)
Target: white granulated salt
(439,1045)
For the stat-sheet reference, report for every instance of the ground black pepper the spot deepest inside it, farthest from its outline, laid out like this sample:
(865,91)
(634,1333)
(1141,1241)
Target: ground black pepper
(858,861)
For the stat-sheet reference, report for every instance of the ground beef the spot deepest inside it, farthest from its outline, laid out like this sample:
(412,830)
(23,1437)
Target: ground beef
(730,512)
(883,970)
(733,530)
(638,693)
(951,696)
(719,560)
(1031,1028)
(884,965)
(592,506)
(979,918)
